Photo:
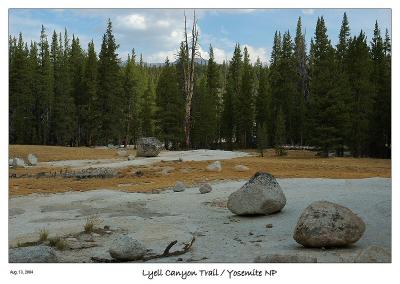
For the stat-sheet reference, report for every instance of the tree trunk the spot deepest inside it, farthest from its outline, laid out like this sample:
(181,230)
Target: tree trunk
(188,72)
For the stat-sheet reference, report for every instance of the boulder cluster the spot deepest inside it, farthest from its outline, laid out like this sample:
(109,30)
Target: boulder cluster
(17,162)
(322,223)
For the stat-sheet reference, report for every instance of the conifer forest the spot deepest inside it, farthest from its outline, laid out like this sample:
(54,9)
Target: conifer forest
(331,97)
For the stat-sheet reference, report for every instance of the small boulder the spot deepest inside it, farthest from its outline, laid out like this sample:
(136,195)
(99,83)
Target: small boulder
(122,153)
(214,167)
(241,168)
(18,163)
(179,187)
(126,248)
(32,160)
(34,254)
(326,224)
(282,258)
(260,195)
(148,147)
(10,161)
(374,254)
(205,188)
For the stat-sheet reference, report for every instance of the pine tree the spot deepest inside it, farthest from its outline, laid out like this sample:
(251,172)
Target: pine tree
(380,78)
(90,112)
(288,90)
(110,89)
(170,110)
(214,96)
(45,91)
(34,74)
(147,109)
(244,114)
(343,84)
(275,81)
(324,110)
(21,97)
(130,101)
(63,115)
(76,60)
(359,75)
(302,92)
(263,114)
(229,119)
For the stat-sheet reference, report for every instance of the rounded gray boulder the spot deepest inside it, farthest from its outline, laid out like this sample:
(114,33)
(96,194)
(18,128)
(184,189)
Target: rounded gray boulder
(34,254)
(260,195)
(18,163)
(179,187)
(126,248)
(205,188)
(327,224)
(148,147)
(32,160)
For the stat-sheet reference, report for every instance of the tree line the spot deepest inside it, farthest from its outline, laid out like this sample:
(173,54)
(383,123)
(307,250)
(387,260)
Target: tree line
(336,98)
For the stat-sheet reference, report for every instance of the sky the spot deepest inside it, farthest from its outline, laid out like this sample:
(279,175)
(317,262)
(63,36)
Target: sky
(157,33)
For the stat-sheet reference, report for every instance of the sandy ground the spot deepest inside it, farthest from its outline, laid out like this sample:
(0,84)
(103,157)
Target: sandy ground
(158,219)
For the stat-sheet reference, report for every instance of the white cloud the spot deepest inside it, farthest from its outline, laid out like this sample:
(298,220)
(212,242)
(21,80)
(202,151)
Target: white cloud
(131,22)
(163,23)
(220,55)
(255,53)
(160,56)
(308,11)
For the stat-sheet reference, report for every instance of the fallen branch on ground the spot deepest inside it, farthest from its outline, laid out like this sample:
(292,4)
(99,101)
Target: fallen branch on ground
(166,253)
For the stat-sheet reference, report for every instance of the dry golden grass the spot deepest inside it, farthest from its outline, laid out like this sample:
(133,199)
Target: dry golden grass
(299,164)
(58,153)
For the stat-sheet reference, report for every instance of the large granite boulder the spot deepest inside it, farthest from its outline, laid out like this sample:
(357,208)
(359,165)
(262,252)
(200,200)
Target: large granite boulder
(326,224)
(34,254)
(374,254)
(148,147)
(126,248)
(260,195)
(32,160)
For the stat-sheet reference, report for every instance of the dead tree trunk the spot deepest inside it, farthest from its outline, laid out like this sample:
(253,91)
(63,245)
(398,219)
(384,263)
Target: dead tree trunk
(188,73)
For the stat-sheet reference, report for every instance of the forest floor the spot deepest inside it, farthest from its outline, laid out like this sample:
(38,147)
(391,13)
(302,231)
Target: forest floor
(163,172)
